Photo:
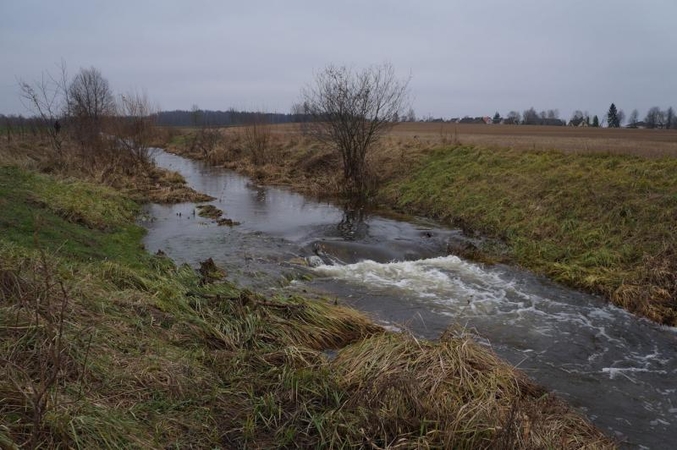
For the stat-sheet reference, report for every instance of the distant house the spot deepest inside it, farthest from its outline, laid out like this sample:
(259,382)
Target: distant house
(578,122)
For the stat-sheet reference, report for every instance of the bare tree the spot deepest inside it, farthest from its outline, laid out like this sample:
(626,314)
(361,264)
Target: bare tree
(90,95)
(553,114)
(300,113)
(47,99)
(134,129)
(351,110)
(634,118)
(514,117)
(670,118)
(90,102)
(655,118)
(578,118)
(206,137)
(530,117)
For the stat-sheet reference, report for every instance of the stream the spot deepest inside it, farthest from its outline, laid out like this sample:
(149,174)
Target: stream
(617,369)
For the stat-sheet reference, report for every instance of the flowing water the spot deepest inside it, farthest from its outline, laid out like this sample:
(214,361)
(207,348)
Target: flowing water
(618,369)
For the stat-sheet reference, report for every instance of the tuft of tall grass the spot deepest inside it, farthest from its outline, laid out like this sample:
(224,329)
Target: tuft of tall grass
(450,394)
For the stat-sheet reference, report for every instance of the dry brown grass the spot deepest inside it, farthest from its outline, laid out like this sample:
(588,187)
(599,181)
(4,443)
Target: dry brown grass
(142,182)
(290,159)
(639,142)
(452,394)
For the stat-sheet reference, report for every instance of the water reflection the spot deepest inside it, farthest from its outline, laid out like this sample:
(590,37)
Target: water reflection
(258,193)
(353,224)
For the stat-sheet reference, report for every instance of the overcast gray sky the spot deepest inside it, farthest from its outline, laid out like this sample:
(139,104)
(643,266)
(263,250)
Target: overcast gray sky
(465,57)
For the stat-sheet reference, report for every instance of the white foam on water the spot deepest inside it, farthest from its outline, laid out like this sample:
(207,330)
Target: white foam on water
(461,286)
(625,371)
(447,277)
(458,286)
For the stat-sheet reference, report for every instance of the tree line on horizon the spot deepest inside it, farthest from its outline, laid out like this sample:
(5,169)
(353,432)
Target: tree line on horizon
(614,118)
(230,117)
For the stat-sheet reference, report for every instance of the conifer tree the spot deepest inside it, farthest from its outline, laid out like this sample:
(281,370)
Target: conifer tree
(612,117)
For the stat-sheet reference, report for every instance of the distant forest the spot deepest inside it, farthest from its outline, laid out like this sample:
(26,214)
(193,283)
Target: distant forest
(222,118)
(655,118)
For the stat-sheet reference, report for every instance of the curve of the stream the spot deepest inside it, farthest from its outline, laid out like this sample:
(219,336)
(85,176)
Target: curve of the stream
(618,369)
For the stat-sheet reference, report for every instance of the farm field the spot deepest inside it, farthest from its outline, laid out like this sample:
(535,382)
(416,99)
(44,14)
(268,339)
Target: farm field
(639,142)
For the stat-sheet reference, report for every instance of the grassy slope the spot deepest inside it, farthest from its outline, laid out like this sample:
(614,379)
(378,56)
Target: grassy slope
(133,352)
(605,223)
(34,207)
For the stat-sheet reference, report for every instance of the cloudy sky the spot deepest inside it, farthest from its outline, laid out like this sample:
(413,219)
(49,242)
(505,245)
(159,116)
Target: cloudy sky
(464,57)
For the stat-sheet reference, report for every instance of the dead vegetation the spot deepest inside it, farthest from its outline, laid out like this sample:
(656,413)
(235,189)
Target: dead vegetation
(654,291)
(450,394)
(291,160)
(133,175)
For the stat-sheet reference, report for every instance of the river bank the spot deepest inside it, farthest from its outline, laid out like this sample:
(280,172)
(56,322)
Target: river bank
(105,345)
(599,222)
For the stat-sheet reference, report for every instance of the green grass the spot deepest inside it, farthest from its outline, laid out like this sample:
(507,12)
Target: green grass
(605,223)
(79,220)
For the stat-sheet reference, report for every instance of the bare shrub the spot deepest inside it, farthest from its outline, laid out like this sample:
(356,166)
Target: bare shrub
(135,129)
(47,99)
(206,137)
(351,111)
(34,359)
(204,141)
(256,137)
